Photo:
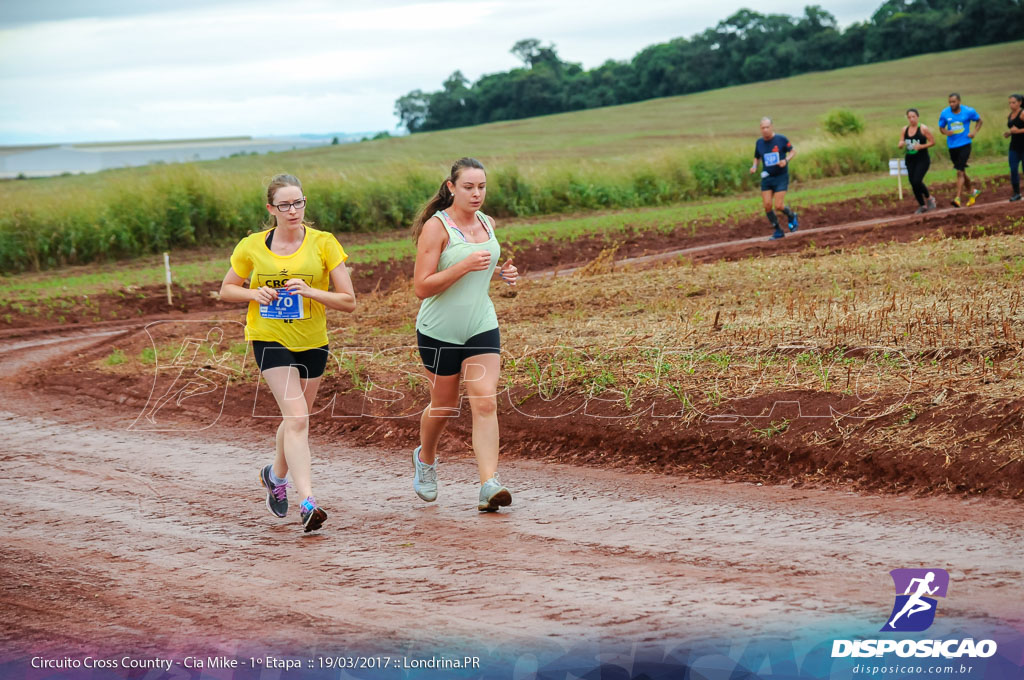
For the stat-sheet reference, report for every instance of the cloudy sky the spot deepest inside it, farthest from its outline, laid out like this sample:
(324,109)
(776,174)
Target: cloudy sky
(96,70)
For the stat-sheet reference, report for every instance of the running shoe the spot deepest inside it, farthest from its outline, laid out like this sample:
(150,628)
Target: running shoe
(777,235)
(794,223)
(311,514)
(922,209)
(931,203)
(956,202)
(974,195)
(1015,197)
(493,495)
(277,494)
(424,479)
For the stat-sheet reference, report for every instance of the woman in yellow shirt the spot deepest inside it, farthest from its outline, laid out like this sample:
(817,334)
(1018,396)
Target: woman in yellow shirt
(288,268)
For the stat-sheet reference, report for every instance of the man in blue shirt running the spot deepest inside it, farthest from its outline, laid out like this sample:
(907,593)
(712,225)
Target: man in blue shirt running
(955,124)
(775,152)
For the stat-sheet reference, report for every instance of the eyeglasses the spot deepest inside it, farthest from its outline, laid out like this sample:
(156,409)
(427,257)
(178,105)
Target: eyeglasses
(285,207)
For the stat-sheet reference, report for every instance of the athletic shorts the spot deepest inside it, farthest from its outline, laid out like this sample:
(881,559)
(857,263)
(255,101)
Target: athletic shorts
(311,362)
(959,156)
(445,358)
(775,183)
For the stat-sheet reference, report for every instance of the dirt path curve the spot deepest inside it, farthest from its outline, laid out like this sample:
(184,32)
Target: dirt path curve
(139,542)
(822,236)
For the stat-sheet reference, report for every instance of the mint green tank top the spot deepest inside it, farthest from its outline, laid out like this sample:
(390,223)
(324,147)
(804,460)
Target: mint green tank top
(464,309)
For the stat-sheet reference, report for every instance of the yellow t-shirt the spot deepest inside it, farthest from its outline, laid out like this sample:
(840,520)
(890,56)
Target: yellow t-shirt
(319,253)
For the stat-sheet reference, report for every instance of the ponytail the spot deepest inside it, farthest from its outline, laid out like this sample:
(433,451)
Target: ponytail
(443,198)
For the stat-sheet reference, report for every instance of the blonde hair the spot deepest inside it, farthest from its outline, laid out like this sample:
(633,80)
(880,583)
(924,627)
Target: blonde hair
(279,182)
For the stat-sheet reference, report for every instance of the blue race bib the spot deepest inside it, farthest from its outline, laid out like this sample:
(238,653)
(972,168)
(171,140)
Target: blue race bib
(771,158)
(286,306)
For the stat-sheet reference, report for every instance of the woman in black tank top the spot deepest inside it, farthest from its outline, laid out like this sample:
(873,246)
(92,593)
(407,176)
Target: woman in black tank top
(1015,131)
(915,141)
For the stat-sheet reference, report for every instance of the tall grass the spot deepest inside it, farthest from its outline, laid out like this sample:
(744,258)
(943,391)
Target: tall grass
(188,205)
(203,266)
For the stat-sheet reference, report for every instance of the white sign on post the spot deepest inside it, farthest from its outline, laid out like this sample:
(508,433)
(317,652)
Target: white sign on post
(898,167)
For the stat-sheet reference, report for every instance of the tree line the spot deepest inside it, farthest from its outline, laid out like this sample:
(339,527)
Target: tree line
(746,47)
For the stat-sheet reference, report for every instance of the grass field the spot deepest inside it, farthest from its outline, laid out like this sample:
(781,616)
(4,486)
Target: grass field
(658,152)
(201,266)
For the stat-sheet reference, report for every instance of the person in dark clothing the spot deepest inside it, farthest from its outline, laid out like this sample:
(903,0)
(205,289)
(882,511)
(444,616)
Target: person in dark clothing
(915,141)
(1015,131)
(775,152)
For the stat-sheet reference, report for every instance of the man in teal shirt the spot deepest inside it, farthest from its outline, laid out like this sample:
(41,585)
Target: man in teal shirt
(955,124)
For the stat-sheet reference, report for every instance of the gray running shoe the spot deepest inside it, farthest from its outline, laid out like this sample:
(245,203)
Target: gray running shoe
(277,494)
(931,203)
(493,495)
(922,209)
(424,480)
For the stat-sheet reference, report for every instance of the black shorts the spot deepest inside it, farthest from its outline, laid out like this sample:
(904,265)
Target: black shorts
(775,183)
(311,362)
(445,358)
(959,156)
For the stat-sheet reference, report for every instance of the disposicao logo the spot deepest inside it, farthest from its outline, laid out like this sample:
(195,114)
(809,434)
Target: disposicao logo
(912,612)
(915,611)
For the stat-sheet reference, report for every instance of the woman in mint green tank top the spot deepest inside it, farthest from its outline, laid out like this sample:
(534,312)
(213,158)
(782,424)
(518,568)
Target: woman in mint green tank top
(456,328)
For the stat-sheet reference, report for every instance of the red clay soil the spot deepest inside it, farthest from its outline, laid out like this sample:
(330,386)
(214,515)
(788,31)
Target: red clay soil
(831,227)
(142,538)
(819,451)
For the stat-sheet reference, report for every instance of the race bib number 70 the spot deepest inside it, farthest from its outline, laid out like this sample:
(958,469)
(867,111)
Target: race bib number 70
(287,306)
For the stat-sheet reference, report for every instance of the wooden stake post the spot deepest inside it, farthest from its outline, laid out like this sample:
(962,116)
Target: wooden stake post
(167,268)
(898,167)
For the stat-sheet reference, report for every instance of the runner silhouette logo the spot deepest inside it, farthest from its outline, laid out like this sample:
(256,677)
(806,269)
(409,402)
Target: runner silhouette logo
(916,589)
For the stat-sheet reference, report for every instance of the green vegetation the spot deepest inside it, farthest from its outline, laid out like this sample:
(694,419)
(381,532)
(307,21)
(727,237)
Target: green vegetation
(192,269)
(773,429)
(652,153)
(115,358)
(746,47)
(843,122)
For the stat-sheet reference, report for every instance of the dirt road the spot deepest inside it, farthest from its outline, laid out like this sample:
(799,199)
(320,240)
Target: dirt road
(146,542)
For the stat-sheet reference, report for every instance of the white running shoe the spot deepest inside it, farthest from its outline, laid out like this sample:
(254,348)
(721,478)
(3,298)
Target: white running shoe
(424,481)
(493,495)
